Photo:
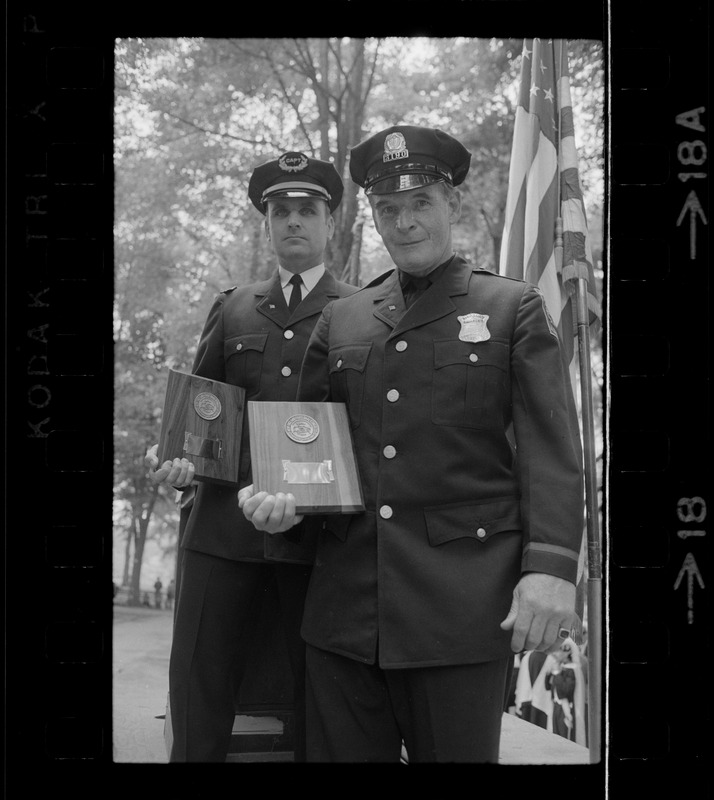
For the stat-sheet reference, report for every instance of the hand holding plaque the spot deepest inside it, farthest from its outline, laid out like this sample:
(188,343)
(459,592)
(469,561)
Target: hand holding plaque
(305,449)
(203,422)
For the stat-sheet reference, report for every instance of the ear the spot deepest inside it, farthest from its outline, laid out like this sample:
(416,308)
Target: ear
(374,218)
(454,203)
(330,223)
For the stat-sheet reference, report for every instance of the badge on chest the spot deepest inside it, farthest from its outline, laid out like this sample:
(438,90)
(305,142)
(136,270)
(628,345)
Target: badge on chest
(474,328)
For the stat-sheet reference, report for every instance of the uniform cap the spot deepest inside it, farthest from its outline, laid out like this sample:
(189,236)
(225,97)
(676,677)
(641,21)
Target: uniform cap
(294,174)
(405,157)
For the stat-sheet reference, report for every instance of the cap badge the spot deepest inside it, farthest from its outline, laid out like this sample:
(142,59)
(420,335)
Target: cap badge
(395,147)
(292,162)
(473,328)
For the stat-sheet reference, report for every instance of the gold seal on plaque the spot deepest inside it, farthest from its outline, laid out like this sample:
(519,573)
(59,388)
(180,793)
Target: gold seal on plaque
(302,428)
(207,405)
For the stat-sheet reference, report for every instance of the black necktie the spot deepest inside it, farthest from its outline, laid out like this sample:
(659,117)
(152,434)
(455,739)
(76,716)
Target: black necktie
(414,288)
(296,295)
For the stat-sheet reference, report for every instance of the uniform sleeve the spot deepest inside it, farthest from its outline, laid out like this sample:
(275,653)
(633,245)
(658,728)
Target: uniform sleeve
(548,448)
(210,361)
(314,383)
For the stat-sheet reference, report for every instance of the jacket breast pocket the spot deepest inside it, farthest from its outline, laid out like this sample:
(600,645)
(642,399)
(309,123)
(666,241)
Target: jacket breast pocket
(347,364)
(469,383)
(244,360)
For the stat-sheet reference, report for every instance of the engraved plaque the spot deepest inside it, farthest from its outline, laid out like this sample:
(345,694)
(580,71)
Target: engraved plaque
(305,449)
(203,422)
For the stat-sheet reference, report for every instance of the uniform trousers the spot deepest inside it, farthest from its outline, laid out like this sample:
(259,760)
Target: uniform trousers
(217,598)
(361,713)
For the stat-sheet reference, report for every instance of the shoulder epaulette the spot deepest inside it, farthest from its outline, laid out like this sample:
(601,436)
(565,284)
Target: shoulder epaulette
(498,274)
(379,279)
(228,291)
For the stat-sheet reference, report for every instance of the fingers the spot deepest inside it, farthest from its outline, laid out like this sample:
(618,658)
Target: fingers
(270,513)
(179,472)
(244,494)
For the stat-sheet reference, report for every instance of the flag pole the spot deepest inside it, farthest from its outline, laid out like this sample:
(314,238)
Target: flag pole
(594,650)
(594,560)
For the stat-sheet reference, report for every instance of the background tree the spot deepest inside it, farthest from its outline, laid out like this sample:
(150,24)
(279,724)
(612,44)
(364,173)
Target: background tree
(194,117)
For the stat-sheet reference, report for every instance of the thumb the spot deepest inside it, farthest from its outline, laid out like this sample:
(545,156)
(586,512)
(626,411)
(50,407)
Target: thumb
(510,620)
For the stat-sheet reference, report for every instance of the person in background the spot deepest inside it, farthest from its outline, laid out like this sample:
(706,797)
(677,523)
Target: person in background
(158,586)
(468,448)
(255,337)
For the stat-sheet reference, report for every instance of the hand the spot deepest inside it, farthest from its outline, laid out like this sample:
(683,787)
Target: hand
(269,513)
(178,473)
(542,605)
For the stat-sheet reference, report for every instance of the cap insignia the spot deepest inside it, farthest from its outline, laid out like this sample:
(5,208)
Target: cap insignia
(292,162)
(395,147)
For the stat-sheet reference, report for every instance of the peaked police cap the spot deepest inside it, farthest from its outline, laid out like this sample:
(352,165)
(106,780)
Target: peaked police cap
(405,157)
(294,174)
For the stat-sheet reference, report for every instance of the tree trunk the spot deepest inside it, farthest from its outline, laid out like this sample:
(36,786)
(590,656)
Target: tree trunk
(349,133)
(127,554)
(141,519)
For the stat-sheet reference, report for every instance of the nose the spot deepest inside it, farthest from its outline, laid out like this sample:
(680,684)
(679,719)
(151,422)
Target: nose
(405,220)
(294,220)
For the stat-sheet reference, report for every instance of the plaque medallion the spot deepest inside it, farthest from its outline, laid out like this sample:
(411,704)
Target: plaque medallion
(207,405)
(302,428)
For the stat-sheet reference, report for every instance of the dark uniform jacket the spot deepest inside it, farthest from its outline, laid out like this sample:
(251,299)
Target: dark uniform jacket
(251,340)
(454,515)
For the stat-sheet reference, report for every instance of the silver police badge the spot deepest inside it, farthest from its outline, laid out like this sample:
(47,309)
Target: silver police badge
(302,428)
(292,162)
(473,328)
(207,405)
(395,146)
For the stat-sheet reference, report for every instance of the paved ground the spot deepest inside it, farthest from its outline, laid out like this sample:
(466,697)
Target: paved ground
(142,640)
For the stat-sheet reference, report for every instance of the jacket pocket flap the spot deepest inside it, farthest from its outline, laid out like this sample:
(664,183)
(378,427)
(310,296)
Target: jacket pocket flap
(351,356)
(475,354)
(246,341)
(478,521)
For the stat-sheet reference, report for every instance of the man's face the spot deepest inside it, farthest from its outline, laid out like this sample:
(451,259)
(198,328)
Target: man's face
(298,229)
(415,226)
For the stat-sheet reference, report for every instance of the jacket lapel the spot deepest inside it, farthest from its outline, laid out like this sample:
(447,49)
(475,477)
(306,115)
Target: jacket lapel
(273,304)
(324,291)
(389,303)
(436,302)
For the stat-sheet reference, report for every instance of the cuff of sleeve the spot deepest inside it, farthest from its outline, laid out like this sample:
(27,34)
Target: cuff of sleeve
(550,559)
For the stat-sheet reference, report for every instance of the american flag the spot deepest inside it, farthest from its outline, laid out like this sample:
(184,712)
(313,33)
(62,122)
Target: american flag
(544,188)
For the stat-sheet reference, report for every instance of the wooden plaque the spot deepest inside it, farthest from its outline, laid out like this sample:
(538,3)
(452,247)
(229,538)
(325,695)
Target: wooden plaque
(203,422)
(305,449)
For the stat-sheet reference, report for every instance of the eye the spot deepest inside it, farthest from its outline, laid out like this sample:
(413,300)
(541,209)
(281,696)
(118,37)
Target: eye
(307,210)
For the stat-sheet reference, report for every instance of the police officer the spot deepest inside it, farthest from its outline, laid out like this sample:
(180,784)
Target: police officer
(468,548)
(254,337)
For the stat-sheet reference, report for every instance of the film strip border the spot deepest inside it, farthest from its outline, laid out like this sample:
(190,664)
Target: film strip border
(59,425)
(658,487)
(657,538)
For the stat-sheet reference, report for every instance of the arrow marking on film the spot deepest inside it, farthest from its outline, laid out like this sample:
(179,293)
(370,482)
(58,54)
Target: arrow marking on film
(690,567)
(693,207)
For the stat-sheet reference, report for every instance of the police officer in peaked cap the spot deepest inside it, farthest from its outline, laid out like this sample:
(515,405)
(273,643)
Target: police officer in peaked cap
(468,548)
(255,336)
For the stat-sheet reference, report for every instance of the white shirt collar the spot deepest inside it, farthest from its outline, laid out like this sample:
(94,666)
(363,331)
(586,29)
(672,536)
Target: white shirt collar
(309,278)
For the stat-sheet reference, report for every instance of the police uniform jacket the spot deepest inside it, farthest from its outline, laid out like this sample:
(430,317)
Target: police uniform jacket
(454,514)
(251,340)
